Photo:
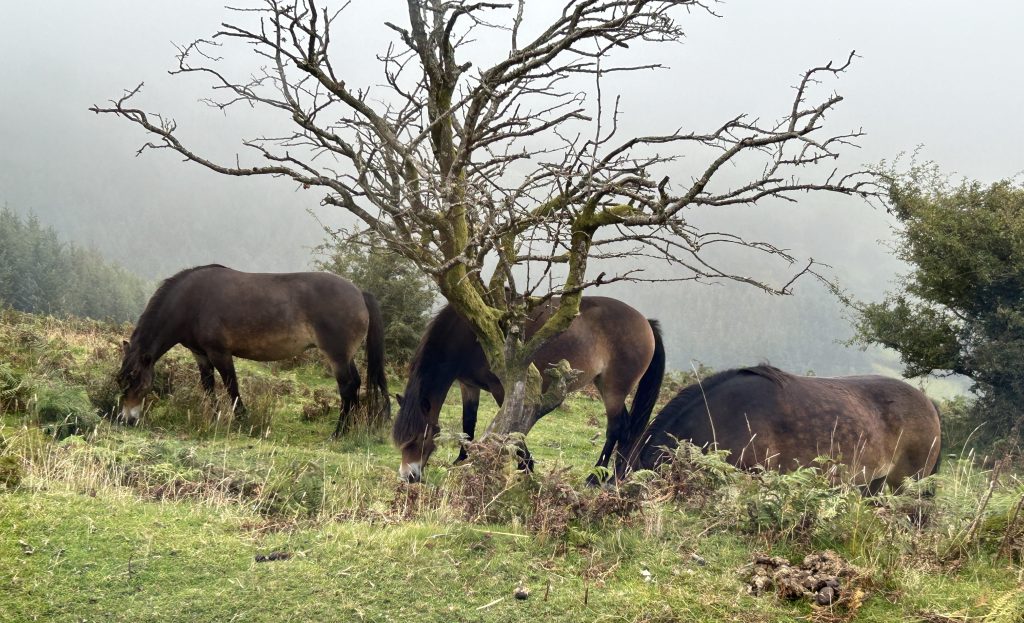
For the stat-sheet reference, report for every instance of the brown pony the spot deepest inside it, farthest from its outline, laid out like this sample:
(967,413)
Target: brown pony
(611,344)
(882,429)
(218,313)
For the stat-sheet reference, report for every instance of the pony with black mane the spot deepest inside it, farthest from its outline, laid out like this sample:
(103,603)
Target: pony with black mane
(882,429)
(219,313)
(610,344)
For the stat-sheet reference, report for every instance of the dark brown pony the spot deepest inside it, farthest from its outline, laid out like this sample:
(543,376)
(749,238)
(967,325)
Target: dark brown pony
(610,343)
(882,429)
(219,313)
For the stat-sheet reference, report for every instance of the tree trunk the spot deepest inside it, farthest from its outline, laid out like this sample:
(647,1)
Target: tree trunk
(525,398)
(522,404)
(510,354)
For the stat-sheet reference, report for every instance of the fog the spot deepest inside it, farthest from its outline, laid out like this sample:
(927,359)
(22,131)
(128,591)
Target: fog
(929,73)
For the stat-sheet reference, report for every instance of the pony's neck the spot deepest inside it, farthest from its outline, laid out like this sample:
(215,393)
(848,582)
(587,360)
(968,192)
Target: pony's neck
(151,337)
(154,346)
(433,378)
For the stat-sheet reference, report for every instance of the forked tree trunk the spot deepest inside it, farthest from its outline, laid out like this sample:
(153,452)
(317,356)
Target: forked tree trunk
(526,400)
(510,355)
(523,400)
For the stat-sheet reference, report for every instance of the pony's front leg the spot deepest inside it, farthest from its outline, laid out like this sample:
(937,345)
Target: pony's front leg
(470,406)
(226,366)
(206,378)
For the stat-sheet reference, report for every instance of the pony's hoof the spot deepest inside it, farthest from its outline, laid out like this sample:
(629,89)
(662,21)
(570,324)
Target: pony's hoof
(593,481)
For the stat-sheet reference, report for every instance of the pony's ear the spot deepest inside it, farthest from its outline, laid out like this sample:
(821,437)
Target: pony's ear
(399,398)
(124,346)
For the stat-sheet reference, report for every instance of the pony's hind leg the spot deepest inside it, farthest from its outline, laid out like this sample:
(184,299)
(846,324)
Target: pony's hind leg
(612,436)
(348,380)
(226,366)
(617,417)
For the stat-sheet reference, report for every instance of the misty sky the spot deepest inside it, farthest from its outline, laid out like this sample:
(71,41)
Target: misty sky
(942,74)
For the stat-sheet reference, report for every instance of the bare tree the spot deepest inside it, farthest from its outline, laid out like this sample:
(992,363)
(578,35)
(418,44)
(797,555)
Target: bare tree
(503,183)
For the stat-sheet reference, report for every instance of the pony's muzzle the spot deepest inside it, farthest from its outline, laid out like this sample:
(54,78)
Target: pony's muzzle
(410,472)
(131,416)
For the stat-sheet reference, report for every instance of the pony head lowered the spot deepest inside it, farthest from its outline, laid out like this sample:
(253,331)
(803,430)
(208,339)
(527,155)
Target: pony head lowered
(430,376)
(415,439)
(135,379)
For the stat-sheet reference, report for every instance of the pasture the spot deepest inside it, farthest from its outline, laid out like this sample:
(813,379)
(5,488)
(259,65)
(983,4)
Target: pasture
(191,517)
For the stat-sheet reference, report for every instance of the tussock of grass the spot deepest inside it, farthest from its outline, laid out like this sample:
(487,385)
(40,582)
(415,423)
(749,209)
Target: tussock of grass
(64,411)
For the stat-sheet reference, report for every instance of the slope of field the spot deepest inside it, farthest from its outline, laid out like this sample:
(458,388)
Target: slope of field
(197,517)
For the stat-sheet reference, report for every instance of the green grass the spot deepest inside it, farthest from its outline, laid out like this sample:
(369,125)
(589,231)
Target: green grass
(165,522)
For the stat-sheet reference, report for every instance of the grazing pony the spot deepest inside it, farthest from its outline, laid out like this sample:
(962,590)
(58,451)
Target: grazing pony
(882,429)
(219,313)
(611,344)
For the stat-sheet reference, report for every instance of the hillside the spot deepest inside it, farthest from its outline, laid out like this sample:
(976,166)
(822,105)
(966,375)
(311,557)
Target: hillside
(196,517)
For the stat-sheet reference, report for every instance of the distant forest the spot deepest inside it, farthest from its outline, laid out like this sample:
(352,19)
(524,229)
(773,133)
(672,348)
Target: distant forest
(40,273)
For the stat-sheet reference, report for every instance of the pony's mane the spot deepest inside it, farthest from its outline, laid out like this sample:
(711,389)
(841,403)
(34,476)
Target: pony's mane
(426,370)
(157,300)
(131,365)
(692,395)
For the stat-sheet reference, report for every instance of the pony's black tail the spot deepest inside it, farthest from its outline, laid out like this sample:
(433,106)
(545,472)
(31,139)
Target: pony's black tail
(646,397)
(376,381)
(938,461)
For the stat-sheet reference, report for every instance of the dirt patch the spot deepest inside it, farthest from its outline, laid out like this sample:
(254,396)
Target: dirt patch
(824,578)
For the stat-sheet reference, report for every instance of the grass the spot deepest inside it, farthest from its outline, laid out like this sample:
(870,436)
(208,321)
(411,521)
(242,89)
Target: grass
(167,522)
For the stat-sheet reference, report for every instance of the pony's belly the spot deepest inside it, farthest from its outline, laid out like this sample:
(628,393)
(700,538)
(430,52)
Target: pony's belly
(272,346)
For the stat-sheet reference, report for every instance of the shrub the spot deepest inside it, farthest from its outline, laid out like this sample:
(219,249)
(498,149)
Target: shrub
(488,485)
(311,357)
(676,380)
(64,411)
(793,504)
(175,373)
(15,391)
(104,394)
(404,294)
(964,427)
(692,475)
